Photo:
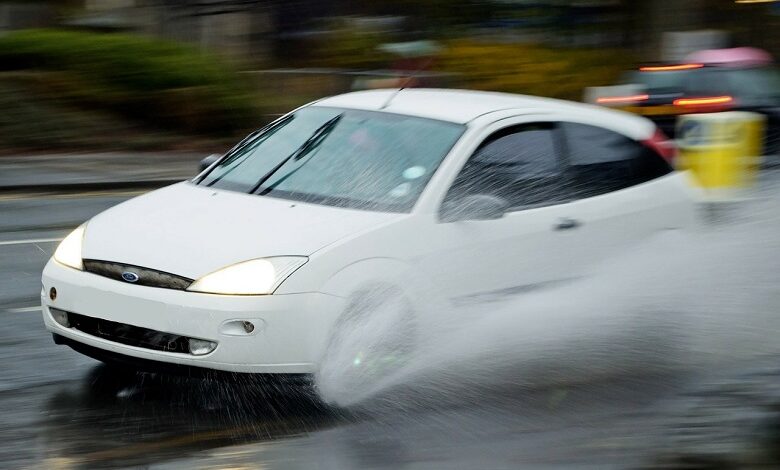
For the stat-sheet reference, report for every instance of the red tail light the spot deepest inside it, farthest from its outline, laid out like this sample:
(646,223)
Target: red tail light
(662,145)
(708,102)
(621,99)
(670,68)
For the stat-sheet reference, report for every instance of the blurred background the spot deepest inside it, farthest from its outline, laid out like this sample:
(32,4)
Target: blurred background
(195,74)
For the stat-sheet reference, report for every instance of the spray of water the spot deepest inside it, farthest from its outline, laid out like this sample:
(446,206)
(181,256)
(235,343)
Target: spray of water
(679,300)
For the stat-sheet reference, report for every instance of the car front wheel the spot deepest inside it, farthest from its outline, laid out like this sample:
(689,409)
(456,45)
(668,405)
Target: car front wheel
(372,341)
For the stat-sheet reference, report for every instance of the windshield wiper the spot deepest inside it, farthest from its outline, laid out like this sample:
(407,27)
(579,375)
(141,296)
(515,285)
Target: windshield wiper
(313,145)
(310,144)
(255,138)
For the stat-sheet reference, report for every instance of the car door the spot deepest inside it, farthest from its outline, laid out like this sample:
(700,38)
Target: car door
(526,249)
(621,192)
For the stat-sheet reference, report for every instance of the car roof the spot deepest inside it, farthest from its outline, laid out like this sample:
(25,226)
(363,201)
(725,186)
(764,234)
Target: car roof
(733,57)
(463,106)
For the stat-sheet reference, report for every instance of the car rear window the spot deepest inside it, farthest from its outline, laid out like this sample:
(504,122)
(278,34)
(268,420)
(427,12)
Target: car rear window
(756,86)
(655,82)
(752,86)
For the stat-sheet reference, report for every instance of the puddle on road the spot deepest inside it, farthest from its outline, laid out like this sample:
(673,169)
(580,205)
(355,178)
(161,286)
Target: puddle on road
(114,418)
(698,300)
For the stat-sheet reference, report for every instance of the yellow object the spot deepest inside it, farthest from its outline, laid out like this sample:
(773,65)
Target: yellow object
(723,150)
(654,110)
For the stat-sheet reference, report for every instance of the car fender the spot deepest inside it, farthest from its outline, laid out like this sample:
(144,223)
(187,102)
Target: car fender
(368,274)
(364,275)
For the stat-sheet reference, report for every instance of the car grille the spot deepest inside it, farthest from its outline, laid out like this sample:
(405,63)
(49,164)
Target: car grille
(146,277)
(128,334)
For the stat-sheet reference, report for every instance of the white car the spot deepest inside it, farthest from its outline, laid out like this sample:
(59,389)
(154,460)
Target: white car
(431,197)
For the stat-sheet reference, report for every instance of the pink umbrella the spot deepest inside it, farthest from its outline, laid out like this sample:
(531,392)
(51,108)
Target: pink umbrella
(734,57)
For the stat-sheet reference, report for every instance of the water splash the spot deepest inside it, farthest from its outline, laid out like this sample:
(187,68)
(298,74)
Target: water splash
(679,300)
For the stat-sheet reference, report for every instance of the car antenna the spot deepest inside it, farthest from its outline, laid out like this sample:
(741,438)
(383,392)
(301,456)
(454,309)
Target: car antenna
(408,79)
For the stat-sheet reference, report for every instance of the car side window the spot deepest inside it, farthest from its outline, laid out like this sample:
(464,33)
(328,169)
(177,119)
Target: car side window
(519,164)
(601,161)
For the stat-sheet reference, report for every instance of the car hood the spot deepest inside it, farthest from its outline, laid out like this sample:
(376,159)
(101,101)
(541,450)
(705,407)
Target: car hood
(191,230)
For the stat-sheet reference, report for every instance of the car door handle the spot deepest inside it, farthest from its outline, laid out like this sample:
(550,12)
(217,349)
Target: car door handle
(566,223)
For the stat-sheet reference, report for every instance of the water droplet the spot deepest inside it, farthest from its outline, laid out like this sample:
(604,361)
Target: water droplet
(414,172)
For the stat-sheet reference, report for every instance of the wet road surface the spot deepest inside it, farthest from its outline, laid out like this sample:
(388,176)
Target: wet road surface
(62,410)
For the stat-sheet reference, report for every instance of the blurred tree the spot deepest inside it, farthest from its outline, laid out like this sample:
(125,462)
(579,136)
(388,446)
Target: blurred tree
(438,17)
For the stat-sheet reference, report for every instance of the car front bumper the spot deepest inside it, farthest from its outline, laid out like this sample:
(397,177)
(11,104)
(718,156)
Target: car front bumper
(289,336)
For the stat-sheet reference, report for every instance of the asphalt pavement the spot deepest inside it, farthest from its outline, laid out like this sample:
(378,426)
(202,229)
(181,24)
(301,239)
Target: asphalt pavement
(62,410)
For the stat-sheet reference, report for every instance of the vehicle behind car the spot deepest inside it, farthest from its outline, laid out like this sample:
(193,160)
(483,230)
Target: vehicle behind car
(741,79)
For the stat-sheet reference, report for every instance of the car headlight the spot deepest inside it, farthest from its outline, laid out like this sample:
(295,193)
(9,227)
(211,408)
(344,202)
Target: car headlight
(69,250)
(255,277)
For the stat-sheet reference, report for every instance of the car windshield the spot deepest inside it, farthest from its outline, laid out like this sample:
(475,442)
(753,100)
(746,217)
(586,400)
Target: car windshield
(348,158)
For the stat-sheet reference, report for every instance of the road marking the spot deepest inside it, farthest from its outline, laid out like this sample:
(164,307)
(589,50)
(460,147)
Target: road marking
(30,242)
(36,308)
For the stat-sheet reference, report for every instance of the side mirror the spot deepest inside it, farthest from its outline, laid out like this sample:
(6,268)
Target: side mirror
(474,207)
(208,161)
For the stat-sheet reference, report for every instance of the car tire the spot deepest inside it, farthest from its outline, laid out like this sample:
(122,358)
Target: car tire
(370,343)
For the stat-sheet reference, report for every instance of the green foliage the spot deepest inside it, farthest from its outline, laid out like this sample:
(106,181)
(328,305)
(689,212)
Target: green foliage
(532,69)
(159,82)
(31,121)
